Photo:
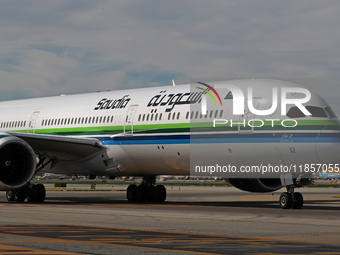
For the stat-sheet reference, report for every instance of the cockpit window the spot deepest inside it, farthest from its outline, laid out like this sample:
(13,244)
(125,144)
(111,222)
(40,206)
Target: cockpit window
(295,112)
(317,112)
(330,112)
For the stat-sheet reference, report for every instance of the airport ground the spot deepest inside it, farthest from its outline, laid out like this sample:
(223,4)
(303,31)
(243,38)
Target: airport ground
(193,220)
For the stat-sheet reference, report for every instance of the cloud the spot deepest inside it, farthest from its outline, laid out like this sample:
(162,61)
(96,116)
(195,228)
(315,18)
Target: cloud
(53,47)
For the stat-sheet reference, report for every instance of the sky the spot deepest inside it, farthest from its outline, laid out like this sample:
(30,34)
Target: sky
(65,47)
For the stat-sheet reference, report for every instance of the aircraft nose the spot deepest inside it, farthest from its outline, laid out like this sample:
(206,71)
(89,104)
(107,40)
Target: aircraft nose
(328,147)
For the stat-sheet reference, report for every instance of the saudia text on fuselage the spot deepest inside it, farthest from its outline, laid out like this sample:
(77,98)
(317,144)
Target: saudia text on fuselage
(106,104)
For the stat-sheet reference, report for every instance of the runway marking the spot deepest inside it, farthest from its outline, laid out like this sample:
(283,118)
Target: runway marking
(163,240)
(258,199)
(9,249)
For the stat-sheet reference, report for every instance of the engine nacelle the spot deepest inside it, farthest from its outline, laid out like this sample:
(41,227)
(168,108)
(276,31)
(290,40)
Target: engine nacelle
(256,184)
(17,162)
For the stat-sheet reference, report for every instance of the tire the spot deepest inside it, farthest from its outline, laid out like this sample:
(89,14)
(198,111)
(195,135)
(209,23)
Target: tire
(160,194)
(131,193)
(20,195)
(142,193)
(10,195)
(151,194)
(41,193)
(36,193)
(298,201)
(286,200)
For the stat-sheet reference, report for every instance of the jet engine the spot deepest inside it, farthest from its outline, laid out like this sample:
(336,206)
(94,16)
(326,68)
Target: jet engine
(256,184)
(17,162)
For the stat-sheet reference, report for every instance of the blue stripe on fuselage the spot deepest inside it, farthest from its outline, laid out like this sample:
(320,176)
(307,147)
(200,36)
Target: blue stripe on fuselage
(223,138)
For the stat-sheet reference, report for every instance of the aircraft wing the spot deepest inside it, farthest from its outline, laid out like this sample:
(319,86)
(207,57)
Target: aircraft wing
(61,147)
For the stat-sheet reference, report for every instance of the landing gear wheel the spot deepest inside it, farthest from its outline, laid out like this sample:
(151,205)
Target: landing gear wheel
(142,193)
(151,194)
(298,201)
(20,195)
(131,193)
(160,194)
(10,195)
(36,193)
(286,200)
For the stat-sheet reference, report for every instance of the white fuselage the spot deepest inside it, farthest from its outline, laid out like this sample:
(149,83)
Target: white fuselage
(154,131)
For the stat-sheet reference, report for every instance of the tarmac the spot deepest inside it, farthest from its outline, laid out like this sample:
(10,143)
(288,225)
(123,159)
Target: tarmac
(193,220)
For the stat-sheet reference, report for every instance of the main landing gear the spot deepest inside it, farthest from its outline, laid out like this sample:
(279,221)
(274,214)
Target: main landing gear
(147,191)
(291,199)
(34,193)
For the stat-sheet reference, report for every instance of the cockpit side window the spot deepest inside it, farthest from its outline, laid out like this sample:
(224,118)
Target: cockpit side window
(317,111)
(330,112)
(295,112)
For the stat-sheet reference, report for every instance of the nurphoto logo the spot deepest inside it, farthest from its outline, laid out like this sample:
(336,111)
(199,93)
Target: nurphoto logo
(239,99)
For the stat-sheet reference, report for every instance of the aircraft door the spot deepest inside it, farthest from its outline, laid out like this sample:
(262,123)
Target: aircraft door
(128,124)
(244,126)
(32,122)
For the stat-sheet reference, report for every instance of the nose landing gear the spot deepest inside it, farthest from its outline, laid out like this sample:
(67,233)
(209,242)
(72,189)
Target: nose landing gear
(291,199)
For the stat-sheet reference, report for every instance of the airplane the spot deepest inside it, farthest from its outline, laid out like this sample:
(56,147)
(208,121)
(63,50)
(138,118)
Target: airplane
(170,130)
(330,174)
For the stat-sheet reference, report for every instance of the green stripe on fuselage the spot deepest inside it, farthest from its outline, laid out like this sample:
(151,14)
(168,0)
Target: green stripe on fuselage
(307,125)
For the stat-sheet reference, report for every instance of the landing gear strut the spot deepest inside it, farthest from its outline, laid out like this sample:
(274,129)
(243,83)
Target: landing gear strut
(34,193)
(147,191)
(291,199)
